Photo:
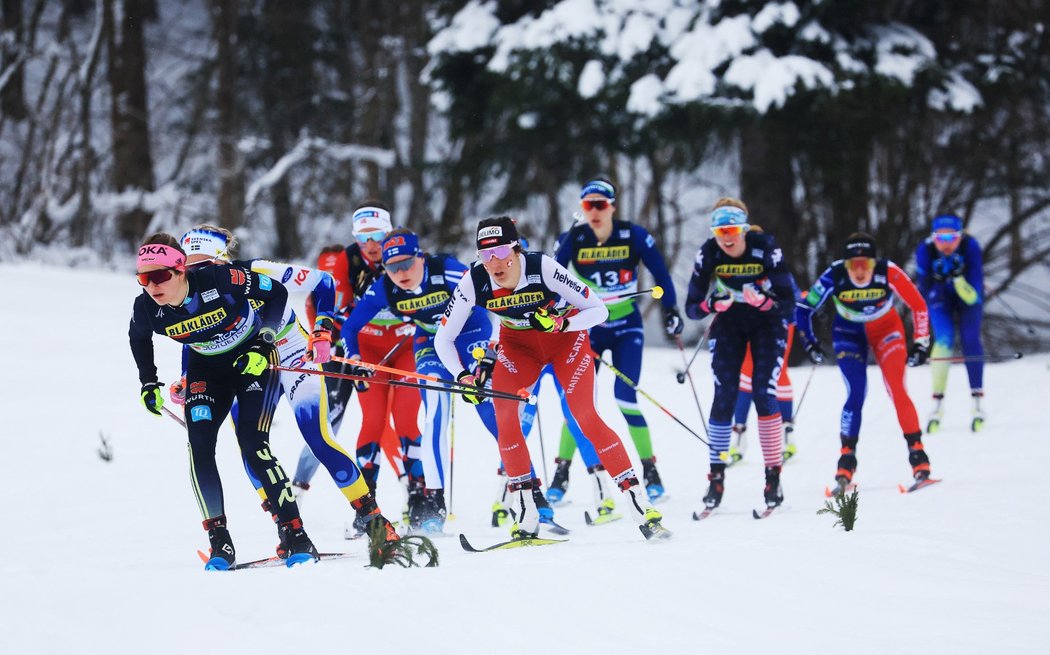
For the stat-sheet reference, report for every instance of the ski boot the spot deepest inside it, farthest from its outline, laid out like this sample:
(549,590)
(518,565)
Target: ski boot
(416,503)
(542,506)
(300,548)
(978,416)
(602,498)
(560,482)
(523,504)
(223,555)
(934,423)
(653,485)
(773,493)
(434,512)
(651,525)
(381,533)
(736,452)
(282,546)
(298,489)
(917,457)
(717,477)
(790,450)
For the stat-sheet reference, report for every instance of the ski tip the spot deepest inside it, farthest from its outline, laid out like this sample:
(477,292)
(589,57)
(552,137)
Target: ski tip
(755,514)
(587,518)
(466,544)
(204,558)
(902,488)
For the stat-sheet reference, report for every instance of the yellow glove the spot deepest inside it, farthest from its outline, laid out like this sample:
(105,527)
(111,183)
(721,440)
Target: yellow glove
(964,290)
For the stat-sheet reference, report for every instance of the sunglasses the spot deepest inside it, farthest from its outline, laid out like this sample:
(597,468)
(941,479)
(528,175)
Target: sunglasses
(159,276)
(946,237)
(729,230)
(365,237)
(401,266)
(597,205)
(497,252)
(866,263)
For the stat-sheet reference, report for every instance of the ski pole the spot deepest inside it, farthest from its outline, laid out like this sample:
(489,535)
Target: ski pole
(461,389)
(696,397)
(999,357)
(456,386)
(634,386)
(174,416)
(451,455)
(543,452)
(1017,317)
(680,376)
(657,293)
(798,407)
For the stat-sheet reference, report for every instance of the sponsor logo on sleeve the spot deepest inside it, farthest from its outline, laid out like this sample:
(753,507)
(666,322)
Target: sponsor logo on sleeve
(568,280)
(287,275)
(650,241)
(265,283)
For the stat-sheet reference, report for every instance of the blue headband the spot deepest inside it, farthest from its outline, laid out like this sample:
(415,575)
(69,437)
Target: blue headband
(401,244)
(728,215)
(947,222)
(600,187)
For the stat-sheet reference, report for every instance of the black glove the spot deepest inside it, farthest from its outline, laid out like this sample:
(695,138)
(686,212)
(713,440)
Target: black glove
(672,322)
(486,365)
(948,266)
(814,351)
(466,378)
(152,398)
(363,372)
(919,352)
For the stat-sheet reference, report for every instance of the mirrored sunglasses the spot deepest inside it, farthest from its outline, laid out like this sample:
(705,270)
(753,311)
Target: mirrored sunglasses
(728,230)
(497,252)
(401,266)
(946,237)
(866,263)
(365,237)
(597,205)
(159,276)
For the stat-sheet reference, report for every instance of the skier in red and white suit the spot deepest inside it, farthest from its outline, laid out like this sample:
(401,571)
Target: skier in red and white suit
(522,289)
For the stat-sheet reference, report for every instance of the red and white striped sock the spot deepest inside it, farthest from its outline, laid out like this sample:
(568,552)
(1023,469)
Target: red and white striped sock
(771,435)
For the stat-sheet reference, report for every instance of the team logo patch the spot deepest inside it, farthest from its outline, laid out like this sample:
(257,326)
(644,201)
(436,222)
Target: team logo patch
(265,283)
(209,295)
(199,387)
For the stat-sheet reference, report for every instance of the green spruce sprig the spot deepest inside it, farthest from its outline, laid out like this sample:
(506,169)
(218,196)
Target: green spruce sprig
(402,552)
(844,508)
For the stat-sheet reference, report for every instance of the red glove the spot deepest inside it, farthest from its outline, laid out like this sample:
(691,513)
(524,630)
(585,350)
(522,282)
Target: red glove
(760,301)
(177,391)
(321,341)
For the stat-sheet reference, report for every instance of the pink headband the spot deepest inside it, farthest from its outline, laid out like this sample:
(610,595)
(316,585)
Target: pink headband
(158,255)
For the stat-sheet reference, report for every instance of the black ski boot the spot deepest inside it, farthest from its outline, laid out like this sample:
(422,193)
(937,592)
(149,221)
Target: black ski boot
(560,482)
(717,487)
(654,487)
(773,493)
(920,462)
(434,512)
(300,548)
(416,502)
(223,555)
(847,458)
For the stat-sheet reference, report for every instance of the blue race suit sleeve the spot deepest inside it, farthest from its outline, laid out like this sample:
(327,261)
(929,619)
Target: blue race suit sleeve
(654,261)
(815,298)
(140,336)
(974,271)
(698,283)
(323,296)
(364,311)
(563,249)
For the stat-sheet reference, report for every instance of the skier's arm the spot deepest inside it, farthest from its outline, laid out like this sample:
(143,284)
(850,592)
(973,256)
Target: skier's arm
(780,278)
(698,284)
(592,311)
(970,286)
(318,286)
(456,315)
(814,299)
(654,261)
(364,311)
(563,249)
(140,337)
(902,285)
(923,279)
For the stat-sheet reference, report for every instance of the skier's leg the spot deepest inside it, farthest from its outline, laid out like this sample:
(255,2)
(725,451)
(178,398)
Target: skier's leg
(851,352)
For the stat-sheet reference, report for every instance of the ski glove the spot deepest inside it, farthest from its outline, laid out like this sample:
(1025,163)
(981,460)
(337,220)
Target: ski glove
(919,352)
(152,398)
(814,351)
(255,360)
(758,299)
(177,391)
(321,341)
(948,266)
(964,290)
(486,364)
(467,378)
(544,321)
(672,322)
(362,372)
(717,302)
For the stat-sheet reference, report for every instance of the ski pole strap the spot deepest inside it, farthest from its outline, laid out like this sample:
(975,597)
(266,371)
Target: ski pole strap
(522,396)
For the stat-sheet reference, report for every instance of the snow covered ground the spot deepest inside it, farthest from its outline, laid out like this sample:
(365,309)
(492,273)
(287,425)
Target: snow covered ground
(100,556)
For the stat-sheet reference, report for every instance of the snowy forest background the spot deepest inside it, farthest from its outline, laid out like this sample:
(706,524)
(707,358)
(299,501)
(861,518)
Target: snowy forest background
(274,118)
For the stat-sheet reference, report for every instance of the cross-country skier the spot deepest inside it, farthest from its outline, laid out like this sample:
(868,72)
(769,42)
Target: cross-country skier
(522,290)
(862,286)
(385,333)
(605,252)
(231,350)
(950,272)
(752,299)
(205,245)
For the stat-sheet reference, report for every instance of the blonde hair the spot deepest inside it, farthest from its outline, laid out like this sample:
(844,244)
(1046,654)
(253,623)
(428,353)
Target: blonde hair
(731,202)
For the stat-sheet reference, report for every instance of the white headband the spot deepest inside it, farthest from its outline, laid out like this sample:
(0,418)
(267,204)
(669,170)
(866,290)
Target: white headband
(372,218)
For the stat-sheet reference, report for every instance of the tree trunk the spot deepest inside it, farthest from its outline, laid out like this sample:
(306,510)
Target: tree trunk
(13,53)
(767,182)
(231,171)
(129,112)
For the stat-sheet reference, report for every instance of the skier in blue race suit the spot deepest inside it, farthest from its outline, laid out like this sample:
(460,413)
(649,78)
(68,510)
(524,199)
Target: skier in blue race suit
(950,276)
(605,254)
